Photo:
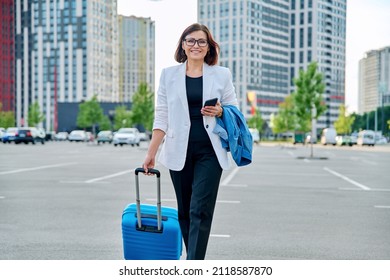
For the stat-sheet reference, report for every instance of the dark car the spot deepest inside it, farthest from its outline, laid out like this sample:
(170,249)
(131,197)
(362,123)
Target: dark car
(105,136)
(29,135)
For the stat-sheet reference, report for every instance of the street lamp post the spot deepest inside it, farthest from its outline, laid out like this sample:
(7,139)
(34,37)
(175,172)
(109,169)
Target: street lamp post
(313,128)
(382,89)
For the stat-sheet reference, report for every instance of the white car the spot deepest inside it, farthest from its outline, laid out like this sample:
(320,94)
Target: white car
(380,140)
(255,135)
(127,136)
(61,136)
(366,137)
(77,136)
(9,135)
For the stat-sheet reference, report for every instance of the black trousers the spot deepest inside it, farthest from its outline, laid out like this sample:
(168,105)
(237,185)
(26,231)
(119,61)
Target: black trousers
(196,187)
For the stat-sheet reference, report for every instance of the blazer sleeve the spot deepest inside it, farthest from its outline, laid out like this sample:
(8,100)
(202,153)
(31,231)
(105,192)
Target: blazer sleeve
(229,93)
(161,109)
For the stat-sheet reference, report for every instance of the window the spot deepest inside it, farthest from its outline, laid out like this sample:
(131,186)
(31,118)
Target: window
(292,42)
(301,37)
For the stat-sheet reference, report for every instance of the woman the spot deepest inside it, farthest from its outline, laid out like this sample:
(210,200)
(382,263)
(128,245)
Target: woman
(191,151)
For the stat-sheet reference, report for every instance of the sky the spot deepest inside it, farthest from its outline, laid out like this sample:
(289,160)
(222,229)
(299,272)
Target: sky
(368,28)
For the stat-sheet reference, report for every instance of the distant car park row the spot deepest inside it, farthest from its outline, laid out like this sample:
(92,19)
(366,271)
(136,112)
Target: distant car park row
(329,137)
(23,135)
(124,136)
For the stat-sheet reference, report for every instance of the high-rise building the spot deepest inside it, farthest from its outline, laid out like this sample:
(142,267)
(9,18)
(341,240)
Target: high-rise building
(7,57)
(374,80)
(136,55)
(266,42)
(318,33)
(66,51)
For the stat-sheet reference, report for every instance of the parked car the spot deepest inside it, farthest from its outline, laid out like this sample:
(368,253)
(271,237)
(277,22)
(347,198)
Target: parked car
(143,136)
(50,135)
(343,140)
(29,135)
(299,137)
(328,136)
(366,137)
(2,132)
(128,136)
(77,136)
(380,140)
(354,137)
(104,136)
(308,139)
(255,135)
(9,135)
(61,136)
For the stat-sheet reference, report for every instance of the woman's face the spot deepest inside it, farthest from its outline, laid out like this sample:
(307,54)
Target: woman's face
(195,45)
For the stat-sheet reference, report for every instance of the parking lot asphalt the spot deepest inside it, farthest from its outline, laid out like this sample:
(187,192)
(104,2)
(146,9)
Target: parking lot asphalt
(64,200)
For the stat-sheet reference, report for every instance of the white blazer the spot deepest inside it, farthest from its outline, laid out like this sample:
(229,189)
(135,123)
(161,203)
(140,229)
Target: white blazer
(172,113)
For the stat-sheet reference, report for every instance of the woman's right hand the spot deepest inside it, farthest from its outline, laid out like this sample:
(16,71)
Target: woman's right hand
(150,158)
(149,162)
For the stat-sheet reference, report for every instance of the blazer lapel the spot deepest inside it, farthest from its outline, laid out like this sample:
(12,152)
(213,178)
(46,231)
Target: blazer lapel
(180,85)
(208,77)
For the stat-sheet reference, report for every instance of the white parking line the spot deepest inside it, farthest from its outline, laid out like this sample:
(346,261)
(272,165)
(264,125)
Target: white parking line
(229,201)
(174,200)
(363,187)
(2,197)
(371,190)
(220,235)
(108,176)
(229,177)
(36,168)
(235,186)
(382,206)
(162,200)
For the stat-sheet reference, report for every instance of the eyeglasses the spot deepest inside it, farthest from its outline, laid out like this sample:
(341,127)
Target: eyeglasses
(191,42)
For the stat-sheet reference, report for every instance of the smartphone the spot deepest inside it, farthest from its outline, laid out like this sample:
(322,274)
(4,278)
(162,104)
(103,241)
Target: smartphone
(211,102)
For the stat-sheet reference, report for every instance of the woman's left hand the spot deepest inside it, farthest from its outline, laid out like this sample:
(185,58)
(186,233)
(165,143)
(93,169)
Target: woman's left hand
(212,111)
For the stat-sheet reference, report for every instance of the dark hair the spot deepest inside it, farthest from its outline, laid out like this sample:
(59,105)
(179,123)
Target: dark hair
(211,57)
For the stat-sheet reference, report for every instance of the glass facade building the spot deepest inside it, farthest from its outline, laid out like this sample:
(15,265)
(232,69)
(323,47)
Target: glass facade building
(136,55)
(374,80)
(266,42)
(66,51)
(7,57)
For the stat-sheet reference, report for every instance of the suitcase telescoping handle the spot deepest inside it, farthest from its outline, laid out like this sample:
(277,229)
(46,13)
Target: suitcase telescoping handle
(138,201)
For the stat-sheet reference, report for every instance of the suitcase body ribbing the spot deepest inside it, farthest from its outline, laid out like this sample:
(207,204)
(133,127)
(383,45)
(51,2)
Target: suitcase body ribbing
(155,233)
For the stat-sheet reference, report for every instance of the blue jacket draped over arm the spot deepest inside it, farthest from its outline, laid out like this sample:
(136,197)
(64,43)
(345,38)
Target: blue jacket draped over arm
(235,135)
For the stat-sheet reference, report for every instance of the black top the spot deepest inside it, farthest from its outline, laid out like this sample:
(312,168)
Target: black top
(194,87)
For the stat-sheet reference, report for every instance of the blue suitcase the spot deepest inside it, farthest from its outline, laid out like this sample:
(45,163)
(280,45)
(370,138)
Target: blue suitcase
(150,232)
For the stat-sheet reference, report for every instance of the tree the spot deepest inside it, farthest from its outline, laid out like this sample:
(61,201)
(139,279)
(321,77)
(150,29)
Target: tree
(308,99)
(105,123)
(256,121)
(343,124)
(367,120)
(34,114)
(308,96)
(286,119)
(90,114)
(142,110)
(7,119)
(122,117)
